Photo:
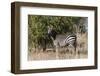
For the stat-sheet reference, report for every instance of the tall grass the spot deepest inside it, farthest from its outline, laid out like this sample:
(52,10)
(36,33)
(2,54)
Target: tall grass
(64,53)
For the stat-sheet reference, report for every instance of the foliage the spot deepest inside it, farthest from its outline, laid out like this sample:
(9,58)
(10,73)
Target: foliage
(37,27)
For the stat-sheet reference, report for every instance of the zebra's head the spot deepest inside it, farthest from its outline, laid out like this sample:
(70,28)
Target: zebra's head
(52,33)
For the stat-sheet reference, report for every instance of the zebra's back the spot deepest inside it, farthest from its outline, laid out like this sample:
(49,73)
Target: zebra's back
(63,40)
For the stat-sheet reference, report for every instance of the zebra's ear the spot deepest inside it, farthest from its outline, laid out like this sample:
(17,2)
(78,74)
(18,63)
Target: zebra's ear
(51,27)
(48,27)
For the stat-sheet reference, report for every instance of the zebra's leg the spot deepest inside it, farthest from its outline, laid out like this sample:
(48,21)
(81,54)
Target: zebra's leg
(57,50)
(76,50)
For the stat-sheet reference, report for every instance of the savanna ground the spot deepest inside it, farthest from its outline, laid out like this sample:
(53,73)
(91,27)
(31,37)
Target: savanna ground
(50,54)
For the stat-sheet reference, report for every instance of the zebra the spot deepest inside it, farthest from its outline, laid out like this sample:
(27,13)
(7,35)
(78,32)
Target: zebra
(70,40)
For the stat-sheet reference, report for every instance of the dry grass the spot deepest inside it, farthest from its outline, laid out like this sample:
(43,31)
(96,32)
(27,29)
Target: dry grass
(81,51)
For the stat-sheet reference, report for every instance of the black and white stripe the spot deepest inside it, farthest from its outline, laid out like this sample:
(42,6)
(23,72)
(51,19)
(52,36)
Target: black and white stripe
(69,40)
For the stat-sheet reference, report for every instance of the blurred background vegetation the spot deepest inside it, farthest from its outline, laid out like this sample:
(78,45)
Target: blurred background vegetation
(37,28)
